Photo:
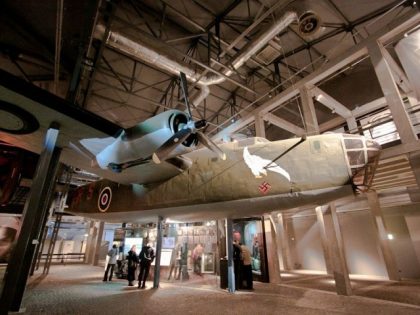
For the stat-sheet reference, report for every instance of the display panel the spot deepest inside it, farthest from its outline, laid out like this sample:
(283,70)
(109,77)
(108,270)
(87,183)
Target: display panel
(130,241)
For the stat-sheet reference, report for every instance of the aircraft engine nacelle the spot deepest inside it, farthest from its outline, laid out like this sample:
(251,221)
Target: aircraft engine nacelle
(137,144)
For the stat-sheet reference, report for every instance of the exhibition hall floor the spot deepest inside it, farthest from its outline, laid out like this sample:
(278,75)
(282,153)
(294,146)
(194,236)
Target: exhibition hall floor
(78,289)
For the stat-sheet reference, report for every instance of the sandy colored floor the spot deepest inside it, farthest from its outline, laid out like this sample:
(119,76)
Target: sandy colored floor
(78,289)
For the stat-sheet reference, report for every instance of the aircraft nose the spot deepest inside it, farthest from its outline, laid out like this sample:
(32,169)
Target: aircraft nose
(363,156)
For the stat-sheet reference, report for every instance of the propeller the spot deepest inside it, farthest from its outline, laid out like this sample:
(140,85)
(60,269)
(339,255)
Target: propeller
(190,128)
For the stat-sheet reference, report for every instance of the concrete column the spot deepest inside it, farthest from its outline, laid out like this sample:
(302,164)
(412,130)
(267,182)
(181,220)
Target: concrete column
(284,242)
(90,243)
(379,223)
(229,252)
(259,126)
(98,244)
(272,254)
(391,93)
(159,236)
(336,252)
(309,114)
(320,219)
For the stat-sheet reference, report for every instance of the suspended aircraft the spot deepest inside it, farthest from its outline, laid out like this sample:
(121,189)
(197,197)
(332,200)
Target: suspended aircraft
(158,169)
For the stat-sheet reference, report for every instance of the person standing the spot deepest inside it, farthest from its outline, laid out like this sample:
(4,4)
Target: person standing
(146,258)
(246,267)
(197,257)
(112,253)
(132,261)
(237,263)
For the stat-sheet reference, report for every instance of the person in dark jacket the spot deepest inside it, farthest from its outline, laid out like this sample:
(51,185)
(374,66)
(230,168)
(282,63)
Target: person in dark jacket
(132,261)
(146,257)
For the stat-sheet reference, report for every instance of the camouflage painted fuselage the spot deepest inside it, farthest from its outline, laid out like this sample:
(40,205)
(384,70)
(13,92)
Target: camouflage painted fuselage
(316,171)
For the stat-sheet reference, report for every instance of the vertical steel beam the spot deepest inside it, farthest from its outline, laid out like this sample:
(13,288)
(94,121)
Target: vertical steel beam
(17,273)
(320,219)
(285,248)
(336,252)
(229,252)
(99,237)
(51,246)
(91,231)
(375,209)
(58,33)
(259,126)
(309,114)
(272,250)
(156,276)
(391,92)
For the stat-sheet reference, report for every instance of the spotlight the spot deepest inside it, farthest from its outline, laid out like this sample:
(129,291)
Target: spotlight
(390,236)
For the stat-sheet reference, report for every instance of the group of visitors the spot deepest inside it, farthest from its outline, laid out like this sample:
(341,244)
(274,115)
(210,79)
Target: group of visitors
(144,259)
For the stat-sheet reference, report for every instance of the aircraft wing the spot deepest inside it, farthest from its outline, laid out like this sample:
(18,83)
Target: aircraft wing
(28,111)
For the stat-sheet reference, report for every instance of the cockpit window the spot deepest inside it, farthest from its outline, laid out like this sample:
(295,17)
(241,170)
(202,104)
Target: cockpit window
(353,143)
(356,158)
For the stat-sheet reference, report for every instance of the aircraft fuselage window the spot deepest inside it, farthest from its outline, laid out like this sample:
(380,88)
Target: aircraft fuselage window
(353,143)
(356,157)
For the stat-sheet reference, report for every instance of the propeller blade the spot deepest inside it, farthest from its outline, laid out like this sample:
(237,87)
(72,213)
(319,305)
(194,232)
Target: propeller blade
(165,149)
(210,145)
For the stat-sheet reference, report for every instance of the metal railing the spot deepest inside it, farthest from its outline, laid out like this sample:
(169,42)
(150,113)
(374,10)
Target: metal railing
(65,258)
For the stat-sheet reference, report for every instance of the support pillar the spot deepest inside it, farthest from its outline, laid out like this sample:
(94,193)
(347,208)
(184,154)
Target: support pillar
(391,93)
(156,275)
(320,219)
(90,243)
(229,252)
(284,244)
(336,252)
(309,114)
(414,160)
(98,244)
(375,209)
(34,214)
(272,250)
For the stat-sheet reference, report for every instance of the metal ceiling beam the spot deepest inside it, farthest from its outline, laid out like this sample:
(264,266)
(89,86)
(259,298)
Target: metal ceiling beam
(108,16)
(90,9)
(25,30)
(357,22)
(330,102)
(284,124)
(58,43)
(398,26)
(398,74)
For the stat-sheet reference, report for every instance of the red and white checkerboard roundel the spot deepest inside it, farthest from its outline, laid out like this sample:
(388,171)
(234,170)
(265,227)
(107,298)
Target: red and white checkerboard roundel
(104,199)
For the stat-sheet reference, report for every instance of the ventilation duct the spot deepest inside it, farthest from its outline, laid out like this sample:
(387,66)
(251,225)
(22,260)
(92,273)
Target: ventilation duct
(152,52)
(145,51)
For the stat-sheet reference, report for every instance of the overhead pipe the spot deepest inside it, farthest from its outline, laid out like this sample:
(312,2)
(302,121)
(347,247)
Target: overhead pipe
(147,53)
